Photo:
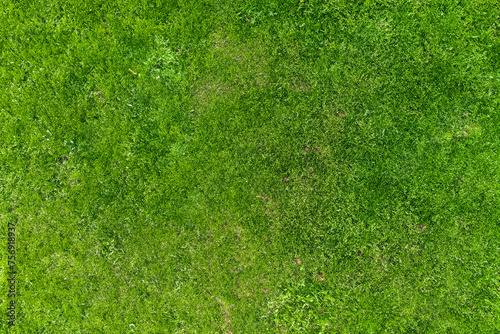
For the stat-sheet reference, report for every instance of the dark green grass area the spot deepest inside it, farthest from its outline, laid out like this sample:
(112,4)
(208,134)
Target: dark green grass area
(251,166)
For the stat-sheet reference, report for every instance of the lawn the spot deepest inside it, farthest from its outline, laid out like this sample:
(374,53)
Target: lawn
(209,166)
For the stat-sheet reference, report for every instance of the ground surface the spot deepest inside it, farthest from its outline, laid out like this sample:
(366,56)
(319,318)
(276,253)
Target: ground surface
(251,166)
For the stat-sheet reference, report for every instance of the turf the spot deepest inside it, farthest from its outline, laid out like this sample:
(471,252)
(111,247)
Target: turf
(202,166)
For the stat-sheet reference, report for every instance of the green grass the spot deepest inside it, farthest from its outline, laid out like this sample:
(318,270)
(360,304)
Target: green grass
(202,166)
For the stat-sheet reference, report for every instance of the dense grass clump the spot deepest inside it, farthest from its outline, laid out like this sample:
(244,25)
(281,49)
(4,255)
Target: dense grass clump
(199,166)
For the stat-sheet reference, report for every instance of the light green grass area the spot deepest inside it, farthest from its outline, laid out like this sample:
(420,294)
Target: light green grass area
(203,166)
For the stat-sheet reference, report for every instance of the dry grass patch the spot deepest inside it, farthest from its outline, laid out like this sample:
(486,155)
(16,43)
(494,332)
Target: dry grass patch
(209,91)
(245,60)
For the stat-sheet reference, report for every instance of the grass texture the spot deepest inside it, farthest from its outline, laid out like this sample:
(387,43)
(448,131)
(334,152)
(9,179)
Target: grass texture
(203,166)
